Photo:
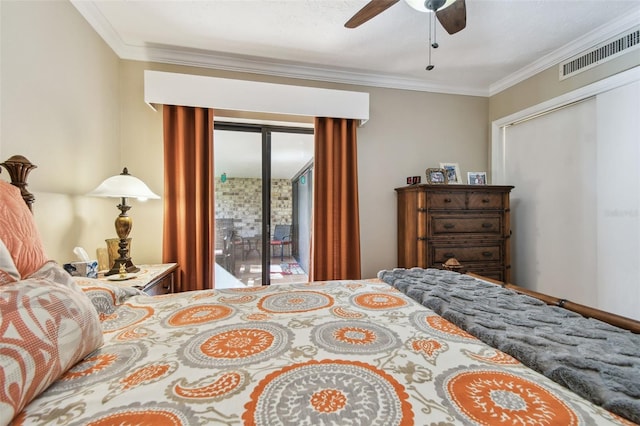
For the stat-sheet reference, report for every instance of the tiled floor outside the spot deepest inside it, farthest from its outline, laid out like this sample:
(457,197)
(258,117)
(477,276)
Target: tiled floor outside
(249,272)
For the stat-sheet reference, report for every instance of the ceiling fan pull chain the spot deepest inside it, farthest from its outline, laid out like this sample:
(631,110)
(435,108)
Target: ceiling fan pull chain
(435,44)
(430,66)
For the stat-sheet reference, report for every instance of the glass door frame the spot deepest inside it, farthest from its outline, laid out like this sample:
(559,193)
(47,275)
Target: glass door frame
(265,130)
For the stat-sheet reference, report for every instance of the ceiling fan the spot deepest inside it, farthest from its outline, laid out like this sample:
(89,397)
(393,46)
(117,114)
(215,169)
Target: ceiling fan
(452,15)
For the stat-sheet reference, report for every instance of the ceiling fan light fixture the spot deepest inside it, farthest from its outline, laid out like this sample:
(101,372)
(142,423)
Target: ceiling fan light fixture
(429,5)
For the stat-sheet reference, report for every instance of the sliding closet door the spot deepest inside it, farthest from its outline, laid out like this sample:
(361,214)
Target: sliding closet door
(551,162)
(575,207)
(618,186)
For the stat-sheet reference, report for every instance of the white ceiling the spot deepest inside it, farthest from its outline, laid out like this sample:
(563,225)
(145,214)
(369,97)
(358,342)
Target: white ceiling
(504,42)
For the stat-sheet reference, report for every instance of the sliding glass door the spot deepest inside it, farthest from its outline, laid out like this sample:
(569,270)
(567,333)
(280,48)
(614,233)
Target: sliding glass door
(258,237)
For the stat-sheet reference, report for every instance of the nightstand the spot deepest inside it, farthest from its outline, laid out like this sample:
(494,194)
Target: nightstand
(152,279)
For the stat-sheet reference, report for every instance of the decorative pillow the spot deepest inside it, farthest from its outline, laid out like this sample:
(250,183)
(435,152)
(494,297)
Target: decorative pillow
(8,271)
(18,231)
(45,328)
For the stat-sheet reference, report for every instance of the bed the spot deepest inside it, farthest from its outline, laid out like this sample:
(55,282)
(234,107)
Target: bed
(78,351)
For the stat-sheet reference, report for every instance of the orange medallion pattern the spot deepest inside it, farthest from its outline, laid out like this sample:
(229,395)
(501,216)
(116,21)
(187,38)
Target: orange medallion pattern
(236,345)
(328,400)
(496,397)
(354,337)
(199,314)
(379,301)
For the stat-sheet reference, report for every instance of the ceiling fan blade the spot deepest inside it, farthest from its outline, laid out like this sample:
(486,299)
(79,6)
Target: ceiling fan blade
(454,17)
(371,10)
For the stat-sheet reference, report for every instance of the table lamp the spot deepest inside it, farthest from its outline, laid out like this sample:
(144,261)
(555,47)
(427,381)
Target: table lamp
(123,186)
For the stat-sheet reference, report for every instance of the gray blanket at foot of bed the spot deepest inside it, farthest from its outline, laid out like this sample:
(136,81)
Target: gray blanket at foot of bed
(595,360)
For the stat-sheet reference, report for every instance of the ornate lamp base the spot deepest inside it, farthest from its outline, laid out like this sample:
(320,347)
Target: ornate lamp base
(123,226)
(128,266)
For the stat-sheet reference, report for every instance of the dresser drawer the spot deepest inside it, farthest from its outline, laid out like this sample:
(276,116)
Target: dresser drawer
(447,200)
(485,225)
(485,254)
(485,200)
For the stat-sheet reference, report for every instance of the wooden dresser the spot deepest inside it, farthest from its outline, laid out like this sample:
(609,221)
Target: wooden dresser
(466,222)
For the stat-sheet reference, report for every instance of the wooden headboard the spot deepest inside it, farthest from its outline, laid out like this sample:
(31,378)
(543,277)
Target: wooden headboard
(19,168)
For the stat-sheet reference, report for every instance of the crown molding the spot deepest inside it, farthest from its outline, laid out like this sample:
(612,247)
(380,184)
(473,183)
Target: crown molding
(567,51)
(207,59)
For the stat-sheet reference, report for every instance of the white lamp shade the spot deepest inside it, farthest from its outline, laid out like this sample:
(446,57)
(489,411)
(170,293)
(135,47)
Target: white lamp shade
(419,5)
(124,186)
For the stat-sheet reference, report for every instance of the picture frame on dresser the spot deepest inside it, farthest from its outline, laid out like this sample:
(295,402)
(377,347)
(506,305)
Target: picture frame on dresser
(436,176)
(477,178)
(452,170)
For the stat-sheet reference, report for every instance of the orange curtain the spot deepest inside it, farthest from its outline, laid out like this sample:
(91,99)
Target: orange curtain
(188,195)
(336,221)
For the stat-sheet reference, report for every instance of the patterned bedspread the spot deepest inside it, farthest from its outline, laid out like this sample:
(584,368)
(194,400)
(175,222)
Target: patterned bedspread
(326,353)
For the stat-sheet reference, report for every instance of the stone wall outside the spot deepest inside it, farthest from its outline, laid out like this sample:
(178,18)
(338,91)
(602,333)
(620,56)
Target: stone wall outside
(240,199)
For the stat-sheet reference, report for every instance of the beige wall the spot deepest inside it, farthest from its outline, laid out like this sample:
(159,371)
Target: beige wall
(77,111)
(59,107)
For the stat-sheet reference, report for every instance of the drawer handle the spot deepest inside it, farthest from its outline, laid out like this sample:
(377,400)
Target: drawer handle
(449,226)
(487,225)
(449,255)
(422,210)
(486,200)
(447,200)
(487,254)
(422,238)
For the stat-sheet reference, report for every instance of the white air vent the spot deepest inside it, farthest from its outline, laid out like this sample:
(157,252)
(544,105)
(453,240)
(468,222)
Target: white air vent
(601,53)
